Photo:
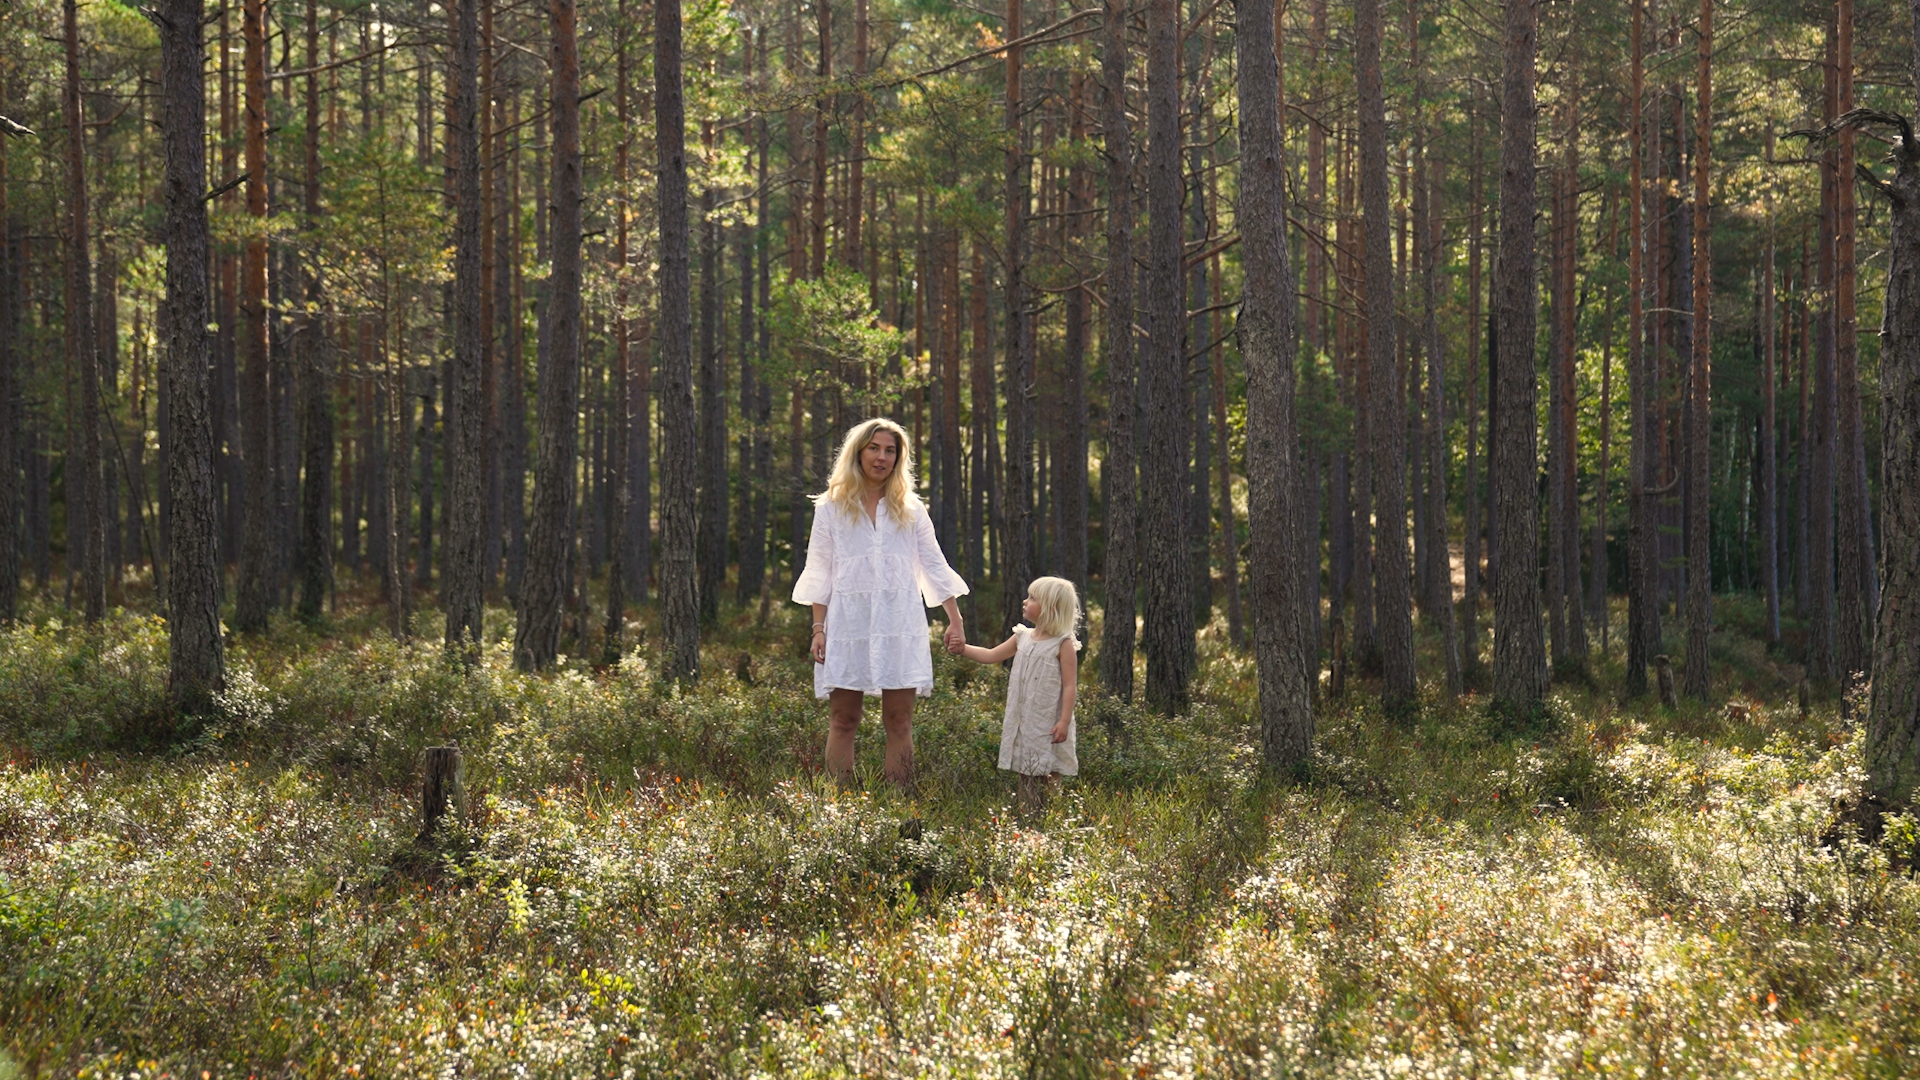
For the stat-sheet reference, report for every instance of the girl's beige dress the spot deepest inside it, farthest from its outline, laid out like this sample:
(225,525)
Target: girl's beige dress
(1033,704)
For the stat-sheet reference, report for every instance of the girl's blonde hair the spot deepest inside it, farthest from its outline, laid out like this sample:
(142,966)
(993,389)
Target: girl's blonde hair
(1059,606)
(846,483)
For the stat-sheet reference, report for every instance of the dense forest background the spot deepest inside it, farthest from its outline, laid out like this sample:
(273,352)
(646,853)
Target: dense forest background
(1487,436)
(567,309)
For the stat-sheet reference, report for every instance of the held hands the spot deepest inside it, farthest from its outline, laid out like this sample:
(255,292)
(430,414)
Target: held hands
(956,638)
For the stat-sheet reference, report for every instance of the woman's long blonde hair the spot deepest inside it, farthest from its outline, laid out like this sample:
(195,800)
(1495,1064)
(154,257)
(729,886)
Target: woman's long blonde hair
(846,483)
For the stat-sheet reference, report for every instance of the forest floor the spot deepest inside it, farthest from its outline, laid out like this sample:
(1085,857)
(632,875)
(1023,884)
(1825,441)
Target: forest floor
(659,882)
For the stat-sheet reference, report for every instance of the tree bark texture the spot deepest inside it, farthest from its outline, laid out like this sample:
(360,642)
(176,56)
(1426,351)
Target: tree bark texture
(1893,709)
(1117,469)
(1387,444)
(1699,565)
(1017,537)
(1266,332)
(462,573)
(1519,654)
(1769,424)
(1853,532)
(1429,235)
(195,653)
(12,437)
(543,583)
(1169,636)
(679,586)
(313,552)
(1072,495)
(712,539)
(1641,645)
(254,598)
(86,515)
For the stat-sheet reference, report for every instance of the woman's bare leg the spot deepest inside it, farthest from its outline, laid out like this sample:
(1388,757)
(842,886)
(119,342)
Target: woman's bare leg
(896,714)
(843,720)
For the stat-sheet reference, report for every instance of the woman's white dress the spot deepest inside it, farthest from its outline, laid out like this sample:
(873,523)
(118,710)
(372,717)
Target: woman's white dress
(1033,705)
(877,577)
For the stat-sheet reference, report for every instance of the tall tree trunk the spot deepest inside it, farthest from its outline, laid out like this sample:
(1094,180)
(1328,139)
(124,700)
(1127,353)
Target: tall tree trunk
(1802,472)
(1229,534)
(11,435)
(1471,534)
(950,456)
(513,424)
(1854,599)
(543,584)
(1073,382)
(255,597)
(196,659)
(712,542)
(1597,557)
(1266,332)
(1196,464)
(753,529)
(1893,709)
(762,414)
(1818,513)
(1119,526)
(1699,569)
(987,526)
(1519,654)
(314,553)
(1769,426)
(1169,638)
(495,283)
(1430,234)
(463,575)
(1642,643)
(1388,431)
(1565,533)
(680,613)
(1017,553)
(86,513)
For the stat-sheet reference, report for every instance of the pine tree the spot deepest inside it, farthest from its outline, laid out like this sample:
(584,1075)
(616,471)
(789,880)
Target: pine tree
(196,658)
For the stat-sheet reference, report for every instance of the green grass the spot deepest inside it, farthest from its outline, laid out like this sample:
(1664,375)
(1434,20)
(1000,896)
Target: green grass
(658,882)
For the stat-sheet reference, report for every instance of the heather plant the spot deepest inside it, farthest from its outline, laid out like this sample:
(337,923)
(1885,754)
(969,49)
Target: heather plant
(655,880)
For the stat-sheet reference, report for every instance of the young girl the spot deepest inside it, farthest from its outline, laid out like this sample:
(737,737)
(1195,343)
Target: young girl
(1037,737)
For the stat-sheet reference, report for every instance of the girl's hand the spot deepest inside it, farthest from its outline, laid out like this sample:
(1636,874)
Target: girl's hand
(1062,729)
(819,648)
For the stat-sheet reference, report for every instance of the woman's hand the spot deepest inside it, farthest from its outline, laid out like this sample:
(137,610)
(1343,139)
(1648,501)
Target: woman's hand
(1062,729)
(819,645)
(956,633)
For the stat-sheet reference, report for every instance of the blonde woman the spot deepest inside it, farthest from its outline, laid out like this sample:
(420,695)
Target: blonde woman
(873,568)
(1036,733)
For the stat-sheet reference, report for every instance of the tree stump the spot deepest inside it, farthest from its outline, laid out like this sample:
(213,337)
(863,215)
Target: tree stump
(443,787)
(1663,667)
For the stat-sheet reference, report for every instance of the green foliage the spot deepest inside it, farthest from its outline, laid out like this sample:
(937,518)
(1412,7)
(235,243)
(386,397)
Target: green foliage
(654,880)
(825,328)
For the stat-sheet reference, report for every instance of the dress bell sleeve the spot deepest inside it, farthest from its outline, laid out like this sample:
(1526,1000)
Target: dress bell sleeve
(815,585)
(937,580)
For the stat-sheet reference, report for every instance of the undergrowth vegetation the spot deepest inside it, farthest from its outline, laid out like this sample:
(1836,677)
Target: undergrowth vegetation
(657,882)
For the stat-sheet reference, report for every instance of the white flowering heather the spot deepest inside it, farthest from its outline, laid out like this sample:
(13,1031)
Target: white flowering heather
(655,882)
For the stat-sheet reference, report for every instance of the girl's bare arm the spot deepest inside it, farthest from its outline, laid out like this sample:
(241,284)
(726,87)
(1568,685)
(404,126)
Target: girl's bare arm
(995,655)
(1069,687)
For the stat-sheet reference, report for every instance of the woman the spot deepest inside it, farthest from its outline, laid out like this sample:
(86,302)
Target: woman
(873,568)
